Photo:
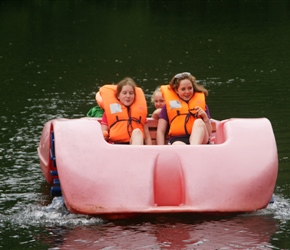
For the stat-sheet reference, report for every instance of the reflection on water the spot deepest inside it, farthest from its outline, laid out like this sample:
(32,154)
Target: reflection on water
(253,230)
(188,231)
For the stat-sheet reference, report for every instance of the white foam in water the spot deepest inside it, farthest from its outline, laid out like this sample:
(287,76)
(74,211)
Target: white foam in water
(55,214)
(280,208)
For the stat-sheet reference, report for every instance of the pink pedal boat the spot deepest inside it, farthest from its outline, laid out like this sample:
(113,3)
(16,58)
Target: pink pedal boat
(236,173)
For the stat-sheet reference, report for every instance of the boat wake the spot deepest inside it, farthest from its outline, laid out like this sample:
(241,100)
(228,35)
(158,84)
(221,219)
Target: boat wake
(55,214)
(279,209)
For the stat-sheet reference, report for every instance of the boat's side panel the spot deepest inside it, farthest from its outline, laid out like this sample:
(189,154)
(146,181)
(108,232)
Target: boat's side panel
(237,175)
(47,162)
(44,152)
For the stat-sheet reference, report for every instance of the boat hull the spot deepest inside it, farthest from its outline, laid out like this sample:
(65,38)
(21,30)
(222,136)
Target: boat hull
(237,173)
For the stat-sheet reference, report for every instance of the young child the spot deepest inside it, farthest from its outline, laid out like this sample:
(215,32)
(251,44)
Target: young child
(158,102)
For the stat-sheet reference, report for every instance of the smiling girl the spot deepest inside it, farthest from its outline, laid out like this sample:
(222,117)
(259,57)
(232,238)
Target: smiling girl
(185,112)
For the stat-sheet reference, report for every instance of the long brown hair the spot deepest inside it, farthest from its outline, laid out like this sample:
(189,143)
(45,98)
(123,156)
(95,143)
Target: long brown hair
(126,81)
(175,82)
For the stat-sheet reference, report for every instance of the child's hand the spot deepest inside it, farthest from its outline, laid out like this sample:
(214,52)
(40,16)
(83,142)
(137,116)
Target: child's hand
(156,113)
(202,114)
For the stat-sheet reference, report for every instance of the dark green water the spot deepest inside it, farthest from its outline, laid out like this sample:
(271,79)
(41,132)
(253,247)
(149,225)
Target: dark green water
(55,54)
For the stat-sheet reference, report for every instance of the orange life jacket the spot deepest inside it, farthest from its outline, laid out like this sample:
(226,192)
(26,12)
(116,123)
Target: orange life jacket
(121,119)
(181,114)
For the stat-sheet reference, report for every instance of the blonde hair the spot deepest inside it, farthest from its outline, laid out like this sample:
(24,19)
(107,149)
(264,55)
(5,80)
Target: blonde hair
(153,95)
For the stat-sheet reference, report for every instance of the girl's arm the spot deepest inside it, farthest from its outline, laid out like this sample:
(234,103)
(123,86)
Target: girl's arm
(204,116)
(105,131)
(161,131)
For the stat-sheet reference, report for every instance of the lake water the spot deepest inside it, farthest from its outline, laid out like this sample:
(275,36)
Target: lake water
(55,54)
